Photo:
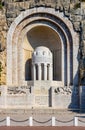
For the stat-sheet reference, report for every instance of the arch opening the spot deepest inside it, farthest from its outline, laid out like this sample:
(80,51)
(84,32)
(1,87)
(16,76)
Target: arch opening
(63,29)
(44,36)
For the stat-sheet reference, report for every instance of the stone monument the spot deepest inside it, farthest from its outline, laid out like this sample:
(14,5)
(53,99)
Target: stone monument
(45,45)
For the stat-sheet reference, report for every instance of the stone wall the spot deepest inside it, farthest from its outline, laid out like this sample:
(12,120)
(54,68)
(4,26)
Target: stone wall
(3,36)
(71,9)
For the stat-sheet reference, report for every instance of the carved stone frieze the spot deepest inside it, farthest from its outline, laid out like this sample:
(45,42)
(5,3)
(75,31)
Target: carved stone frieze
(18,90)
(63,91)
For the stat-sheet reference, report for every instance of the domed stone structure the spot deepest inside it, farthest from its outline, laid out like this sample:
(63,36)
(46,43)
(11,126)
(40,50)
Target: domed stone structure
(42,64)
(33,29)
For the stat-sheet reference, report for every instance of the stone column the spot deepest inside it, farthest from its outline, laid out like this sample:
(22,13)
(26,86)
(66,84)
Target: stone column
(68,65)
(45,71)
(52,97)
(50,72)
(33,72)
(39,71)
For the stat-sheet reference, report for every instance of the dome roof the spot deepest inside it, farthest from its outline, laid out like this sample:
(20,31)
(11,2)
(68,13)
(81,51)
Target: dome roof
(43,51)
(42,54)
(42,48)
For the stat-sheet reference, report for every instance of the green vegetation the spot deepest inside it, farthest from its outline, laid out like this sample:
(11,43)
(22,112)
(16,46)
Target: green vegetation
(77,5)
(1,4)
(82,1)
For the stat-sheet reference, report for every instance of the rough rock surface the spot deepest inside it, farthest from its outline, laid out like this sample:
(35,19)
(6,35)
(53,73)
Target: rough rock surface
(3,36)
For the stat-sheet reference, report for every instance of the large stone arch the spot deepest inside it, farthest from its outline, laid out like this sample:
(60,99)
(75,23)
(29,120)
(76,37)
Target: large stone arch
(29,28)
(57,22)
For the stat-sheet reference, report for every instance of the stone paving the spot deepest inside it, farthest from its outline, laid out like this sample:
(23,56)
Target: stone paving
(42,128)
(41,117)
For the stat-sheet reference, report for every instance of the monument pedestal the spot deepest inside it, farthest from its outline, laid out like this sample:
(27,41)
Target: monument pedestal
(38,94)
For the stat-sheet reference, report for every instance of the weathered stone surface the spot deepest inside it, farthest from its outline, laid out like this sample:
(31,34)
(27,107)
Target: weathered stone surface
(3,36)
(76,18)
(14,8)
(83,30)
(63,91)
(3,65)
(77,26)
(65,5)
(11,15)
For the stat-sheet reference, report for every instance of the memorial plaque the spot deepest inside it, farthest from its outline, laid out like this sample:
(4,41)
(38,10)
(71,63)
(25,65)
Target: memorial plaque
(37,100)
(44,91)
(41,91)
(44,100)
(41,96)
(41,100)
(37,91)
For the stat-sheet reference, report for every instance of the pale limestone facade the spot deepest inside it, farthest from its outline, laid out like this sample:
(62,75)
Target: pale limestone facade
(31,29)
(68,38)
(56,28)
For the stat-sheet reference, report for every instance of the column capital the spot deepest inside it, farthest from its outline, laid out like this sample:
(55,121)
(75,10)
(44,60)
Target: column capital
(39,64)
(45,64)
(51,64)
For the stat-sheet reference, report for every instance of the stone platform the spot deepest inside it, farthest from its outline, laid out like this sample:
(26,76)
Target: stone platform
(41,95)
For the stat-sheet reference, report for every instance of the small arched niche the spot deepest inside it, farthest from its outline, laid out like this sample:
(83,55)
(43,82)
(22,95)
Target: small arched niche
(43,36)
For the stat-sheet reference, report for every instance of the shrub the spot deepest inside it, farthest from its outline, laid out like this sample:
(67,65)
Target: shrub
(1,5)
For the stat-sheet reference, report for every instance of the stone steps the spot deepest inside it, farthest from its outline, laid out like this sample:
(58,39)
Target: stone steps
(35,111)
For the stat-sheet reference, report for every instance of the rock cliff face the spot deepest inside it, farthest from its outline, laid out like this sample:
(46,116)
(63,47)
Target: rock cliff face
(3,36)
(73,9)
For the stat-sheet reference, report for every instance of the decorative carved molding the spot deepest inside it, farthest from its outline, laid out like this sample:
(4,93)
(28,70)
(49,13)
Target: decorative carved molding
(63,91)
(18,90)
